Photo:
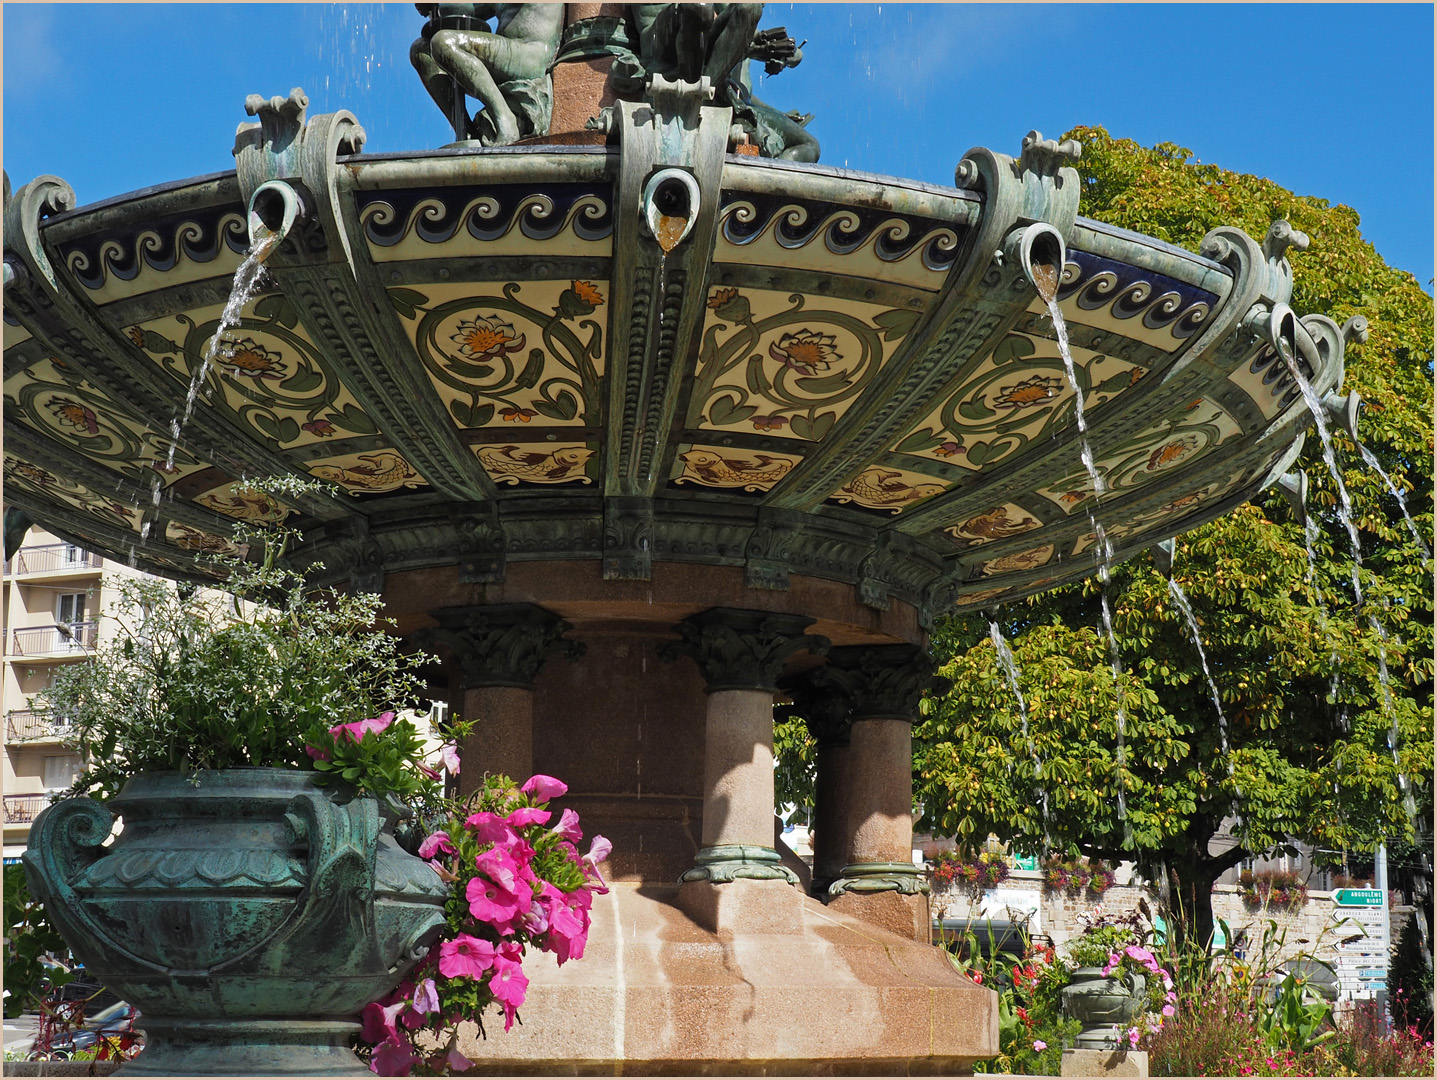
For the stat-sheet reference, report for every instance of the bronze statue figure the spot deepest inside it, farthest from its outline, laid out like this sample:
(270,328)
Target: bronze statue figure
(507,69)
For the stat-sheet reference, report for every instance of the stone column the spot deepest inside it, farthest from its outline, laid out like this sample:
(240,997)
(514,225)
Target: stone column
(880,882)
(741,655)
(825,712)
(499,649)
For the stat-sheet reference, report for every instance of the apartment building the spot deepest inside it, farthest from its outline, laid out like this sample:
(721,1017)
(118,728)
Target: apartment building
(56,595)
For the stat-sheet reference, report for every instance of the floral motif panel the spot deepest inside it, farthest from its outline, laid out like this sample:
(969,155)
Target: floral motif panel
(1017,398)
(265,373)
(50,397)
(1181,437)
(787,363)
(45,484)
(512,355)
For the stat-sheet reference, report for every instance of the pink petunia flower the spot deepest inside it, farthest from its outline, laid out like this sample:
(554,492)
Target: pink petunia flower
(457,1062)
(449,754)
(1039,1044)
(496,906)
(465,955)
(490,828)
(508,986)
(500,867)
(1168,1010)
(528,815)
(393,1058)
(426,997)
(542,788)
(568,826)
(599,850)
(377,1021)
(435,843)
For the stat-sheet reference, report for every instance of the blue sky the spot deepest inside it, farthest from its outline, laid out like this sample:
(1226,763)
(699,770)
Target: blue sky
(1324,99)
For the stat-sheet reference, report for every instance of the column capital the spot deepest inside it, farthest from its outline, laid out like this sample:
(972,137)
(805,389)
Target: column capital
(743,650)
(499,644)
(880,681)
(824,709)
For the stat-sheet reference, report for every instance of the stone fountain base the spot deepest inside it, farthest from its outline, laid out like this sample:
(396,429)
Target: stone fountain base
(745,978)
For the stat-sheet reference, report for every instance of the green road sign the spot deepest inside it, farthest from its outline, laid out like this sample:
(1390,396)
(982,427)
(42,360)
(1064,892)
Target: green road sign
(1025,862)
(1359,898)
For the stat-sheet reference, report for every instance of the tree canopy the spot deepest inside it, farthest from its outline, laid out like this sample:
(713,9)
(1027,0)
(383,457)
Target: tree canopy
(1302,747)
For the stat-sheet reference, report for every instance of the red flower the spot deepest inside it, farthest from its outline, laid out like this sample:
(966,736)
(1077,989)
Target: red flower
(319,427)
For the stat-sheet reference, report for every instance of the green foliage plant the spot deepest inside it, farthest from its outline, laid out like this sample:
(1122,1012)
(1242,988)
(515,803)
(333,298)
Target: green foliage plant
(31,944)
(267,673)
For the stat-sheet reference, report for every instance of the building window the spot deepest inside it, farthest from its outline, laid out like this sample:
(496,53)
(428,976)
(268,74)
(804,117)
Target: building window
(73,555)
(70,608)
(60,771)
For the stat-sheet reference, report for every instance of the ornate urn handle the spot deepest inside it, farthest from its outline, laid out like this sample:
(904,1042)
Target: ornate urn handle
(64,841)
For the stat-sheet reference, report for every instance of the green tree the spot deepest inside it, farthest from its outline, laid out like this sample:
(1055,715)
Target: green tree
(1298,755)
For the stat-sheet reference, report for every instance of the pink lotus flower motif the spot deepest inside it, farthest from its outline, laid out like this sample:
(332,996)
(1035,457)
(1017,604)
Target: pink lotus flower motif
(1039,1044)
(377,1021)
(542,788)
(599,850)
(528,815)
(435,843)
(508,985)
(393,1058)
(465,955)
(568,826)
(449,754)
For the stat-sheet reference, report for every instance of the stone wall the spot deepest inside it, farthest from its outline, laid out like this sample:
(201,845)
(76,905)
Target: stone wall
(1308,930)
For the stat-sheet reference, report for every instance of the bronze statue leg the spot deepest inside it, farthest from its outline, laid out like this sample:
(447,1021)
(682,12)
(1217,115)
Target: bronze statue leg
(732,32)
(435,79)
(473,59)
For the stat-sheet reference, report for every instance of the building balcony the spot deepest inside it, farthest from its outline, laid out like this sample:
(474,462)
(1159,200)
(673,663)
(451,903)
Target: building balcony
(22,809)
(63,641)
(53,560)
(34,725)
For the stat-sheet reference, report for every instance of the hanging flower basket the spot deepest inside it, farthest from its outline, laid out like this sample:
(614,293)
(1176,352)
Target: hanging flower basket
(1281,889)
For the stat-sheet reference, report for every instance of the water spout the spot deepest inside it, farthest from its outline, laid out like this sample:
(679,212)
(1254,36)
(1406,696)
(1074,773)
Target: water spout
(274,209)
(1342,412)
(1163,552)
(670,206)
(1042,253)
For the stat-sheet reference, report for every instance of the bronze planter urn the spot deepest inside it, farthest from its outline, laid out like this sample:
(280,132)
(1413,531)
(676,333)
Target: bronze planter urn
(248,913)
(1105,1005)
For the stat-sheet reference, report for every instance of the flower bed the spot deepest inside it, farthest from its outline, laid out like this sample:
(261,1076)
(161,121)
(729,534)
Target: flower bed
(1282,889)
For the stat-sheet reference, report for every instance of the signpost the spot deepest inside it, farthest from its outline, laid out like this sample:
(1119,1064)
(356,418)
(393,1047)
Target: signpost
(1360,921)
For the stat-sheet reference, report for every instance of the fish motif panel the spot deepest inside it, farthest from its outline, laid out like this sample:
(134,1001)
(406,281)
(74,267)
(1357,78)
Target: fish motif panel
(787,363)
(1018,562)
(188,538)
(50,397)
(516,354)
(537,463)
(493,219)
(45,484)
(1178,439)
(243,504)
(1018,396)
(370,473)
(998,523)
(728,467)
(772,230)
(894,490)
(266,373)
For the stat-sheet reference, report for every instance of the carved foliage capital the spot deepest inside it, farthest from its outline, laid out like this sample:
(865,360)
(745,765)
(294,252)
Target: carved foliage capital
(500,644)
(824,709)
(743,650)
(880,681)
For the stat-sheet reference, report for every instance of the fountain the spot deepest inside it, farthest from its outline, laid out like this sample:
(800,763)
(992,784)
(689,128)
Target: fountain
(634,418)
